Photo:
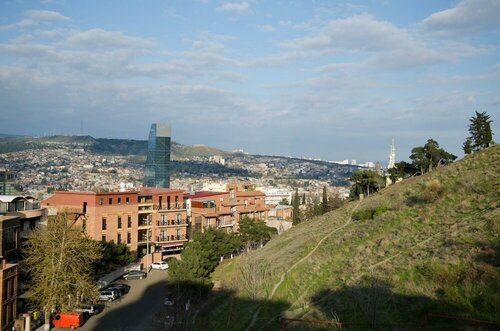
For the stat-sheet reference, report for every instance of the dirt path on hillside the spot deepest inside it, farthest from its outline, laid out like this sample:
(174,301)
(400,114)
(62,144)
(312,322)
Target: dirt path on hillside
(282,278)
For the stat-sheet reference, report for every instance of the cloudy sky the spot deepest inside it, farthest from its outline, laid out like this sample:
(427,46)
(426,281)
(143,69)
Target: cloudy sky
(322,79)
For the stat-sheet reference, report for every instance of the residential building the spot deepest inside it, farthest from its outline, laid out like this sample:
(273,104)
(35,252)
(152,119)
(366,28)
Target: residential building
(275,195)
(30,214)
(157,170)
(149,219)
(225,209)
(10,228)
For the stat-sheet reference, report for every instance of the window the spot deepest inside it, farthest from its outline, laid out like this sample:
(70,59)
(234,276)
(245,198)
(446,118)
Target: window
(119,238)
(127,200)
(110,201)
(119,201)
(129,221)
(103,238)
(119,222)
(160,202)
(101,201)
(177,202)
(104,225)
(129,238)
(178,218)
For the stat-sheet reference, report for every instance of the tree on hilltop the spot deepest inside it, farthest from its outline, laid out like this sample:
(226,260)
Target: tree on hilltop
(366,182)
(430,156)
(467,146)
(480,130)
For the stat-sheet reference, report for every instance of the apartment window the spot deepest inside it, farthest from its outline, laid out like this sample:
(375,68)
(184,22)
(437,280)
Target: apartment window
(127,200)
(119,222)
(110,201)
(104,225)
(160,202)
(168,202)
(119,238)
(101,201)
(176,202)
(119,201)
(129,237)
(103,238)
(129,221)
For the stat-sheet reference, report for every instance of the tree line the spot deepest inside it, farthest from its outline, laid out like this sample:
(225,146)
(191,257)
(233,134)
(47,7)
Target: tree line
(425,158)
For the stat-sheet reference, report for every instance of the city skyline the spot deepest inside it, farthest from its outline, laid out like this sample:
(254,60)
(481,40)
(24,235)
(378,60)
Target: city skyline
(318,79)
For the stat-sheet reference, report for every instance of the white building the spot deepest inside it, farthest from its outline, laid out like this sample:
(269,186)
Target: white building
(275,195)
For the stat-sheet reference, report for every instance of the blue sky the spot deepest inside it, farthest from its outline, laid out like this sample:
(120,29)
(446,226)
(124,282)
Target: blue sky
(323,79)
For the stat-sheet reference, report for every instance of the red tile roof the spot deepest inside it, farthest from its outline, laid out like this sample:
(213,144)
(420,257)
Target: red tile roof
(202,194)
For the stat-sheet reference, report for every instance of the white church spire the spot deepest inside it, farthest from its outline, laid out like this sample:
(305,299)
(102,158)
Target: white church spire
(392,156)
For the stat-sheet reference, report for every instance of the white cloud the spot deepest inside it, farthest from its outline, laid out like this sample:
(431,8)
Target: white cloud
(99,38)
(467,16)
(45,15)
(267,28)
(33,18)
(234,7)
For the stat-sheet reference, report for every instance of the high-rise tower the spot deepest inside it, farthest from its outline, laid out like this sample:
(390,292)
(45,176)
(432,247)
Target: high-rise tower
(392,156)
(157,171)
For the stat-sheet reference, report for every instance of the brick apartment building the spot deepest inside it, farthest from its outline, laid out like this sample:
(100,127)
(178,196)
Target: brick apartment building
(154,216)
(224,209)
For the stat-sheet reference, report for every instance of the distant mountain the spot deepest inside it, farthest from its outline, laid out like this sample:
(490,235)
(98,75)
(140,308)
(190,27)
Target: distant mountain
(127,147)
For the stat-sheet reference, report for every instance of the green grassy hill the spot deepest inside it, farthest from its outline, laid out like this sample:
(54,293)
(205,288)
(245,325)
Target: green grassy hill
(432,247)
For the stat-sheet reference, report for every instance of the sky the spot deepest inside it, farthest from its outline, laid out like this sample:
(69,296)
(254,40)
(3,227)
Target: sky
(322,79)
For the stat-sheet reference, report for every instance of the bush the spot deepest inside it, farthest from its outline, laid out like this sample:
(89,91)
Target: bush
(433,190)
(369,213)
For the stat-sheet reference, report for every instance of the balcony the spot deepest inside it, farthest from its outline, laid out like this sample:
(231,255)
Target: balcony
(145,223)
(178,206)
(145,208)
(172,223)
(171,238)
(226,224)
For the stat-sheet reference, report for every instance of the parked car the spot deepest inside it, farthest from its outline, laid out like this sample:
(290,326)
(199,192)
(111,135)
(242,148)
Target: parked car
(134,274)
(168,301)
(107,295)
(123,288)
(161,265)
(70,320)
(89,309)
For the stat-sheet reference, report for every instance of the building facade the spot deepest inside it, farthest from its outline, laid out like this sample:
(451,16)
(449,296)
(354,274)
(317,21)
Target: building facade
(10,235)
(157,170)
(150,220)
(7,182)
(223,210)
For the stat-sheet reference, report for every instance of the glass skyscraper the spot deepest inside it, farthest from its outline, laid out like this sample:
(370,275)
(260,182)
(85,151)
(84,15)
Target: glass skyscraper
(157,171)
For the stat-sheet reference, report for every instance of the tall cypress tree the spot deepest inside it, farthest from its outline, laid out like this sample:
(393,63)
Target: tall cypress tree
(296,209)
(480,130)
(324,202)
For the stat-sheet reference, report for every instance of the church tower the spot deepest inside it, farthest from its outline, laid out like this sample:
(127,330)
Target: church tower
(392,156)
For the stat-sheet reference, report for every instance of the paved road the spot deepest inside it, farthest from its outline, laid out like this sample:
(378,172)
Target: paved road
(136,310)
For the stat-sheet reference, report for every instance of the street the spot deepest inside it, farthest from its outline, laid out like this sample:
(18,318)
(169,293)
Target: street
(136,310)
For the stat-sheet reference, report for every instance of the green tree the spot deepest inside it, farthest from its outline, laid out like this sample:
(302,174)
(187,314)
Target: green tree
(366,182)
(324,200)
(254,231)
(467,146)
(113,255)
(296,209)
(430,156)
(200,256)
(402,169)
(480,130)
(59,261)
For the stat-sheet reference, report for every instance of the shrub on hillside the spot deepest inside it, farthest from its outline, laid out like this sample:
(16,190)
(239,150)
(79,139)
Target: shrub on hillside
(432,191)
(369,213)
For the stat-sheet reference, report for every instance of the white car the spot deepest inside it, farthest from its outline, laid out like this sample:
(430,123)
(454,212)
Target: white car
(162,265)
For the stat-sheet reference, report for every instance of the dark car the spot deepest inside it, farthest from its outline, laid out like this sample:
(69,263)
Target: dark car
(135,274)
(120,288)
